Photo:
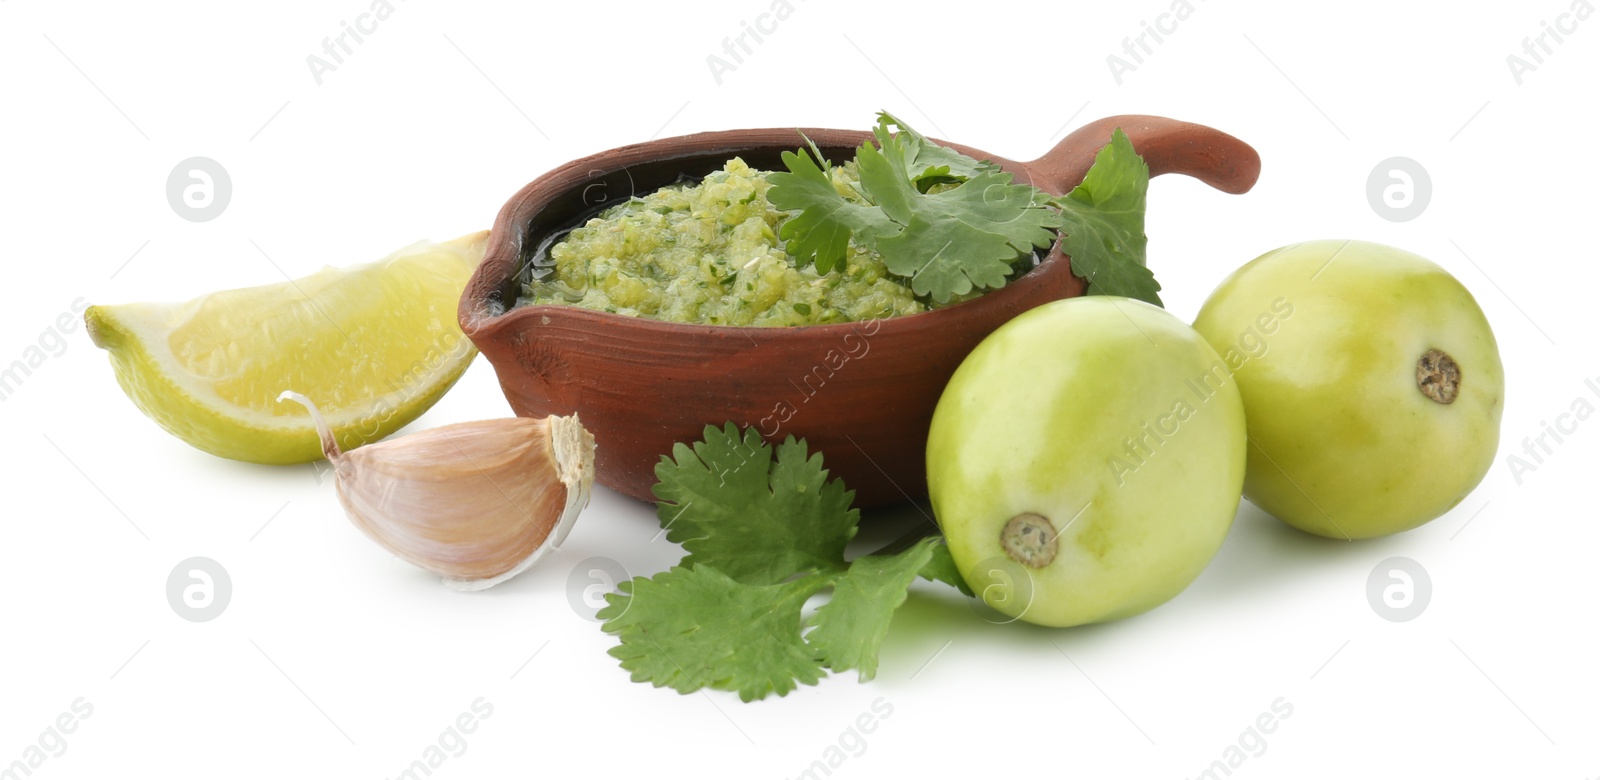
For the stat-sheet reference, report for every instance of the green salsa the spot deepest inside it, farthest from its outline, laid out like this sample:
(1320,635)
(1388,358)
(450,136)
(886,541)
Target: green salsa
(709,253)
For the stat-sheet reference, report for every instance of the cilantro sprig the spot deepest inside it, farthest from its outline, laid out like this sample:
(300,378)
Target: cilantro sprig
(765,530)
(1103,224)
(949,223)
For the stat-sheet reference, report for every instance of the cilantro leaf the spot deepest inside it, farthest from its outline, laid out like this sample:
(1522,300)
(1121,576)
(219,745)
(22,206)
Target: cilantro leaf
(956,239)
(692,628)
(986,203)
(765,530)
(850,628)
(929,162)
(758,520)
(961,238)
(940,266)
(945,242)
(1104,224)
(942,568)
(821,230)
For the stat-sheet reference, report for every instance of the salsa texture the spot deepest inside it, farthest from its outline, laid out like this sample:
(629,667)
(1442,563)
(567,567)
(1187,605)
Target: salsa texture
(709,253)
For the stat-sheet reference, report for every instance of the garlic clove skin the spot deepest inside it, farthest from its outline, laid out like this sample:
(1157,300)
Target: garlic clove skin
(477,503)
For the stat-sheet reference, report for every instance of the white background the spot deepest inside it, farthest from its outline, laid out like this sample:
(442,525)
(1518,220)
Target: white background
(333,659)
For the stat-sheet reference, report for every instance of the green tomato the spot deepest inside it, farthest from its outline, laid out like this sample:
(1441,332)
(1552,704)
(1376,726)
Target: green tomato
(1085,461)
(1371,383)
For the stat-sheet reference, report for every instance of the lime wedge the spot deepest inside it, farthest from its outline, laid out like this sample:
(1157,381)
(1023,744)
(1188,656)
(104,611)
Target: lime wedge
(376,345)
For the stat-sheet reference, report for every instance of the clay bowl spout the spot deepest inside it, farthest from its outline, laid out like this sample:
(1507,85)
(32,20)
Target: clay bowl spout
(861,393)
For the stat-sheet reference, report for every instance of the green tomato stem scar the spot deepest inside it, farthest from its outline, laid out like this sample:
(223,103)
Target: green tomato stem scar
(1438,376)
(1030,540)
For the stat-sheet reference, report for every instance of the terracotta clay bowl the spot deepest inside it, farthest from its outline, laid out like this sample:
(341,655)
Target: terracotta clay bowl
(861,393)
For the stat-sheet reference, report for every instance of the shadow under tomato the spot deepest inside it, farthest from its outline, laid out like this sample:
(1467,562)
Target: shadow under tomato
(1263,553)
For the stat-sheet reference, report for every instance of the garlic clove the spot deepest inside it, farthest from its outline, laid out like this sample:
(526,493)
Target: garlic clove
(477,502)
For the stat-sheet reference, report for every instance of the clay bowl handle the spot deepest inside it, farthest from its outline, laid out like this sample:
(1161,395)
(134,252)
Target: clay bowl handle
(1167,145)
